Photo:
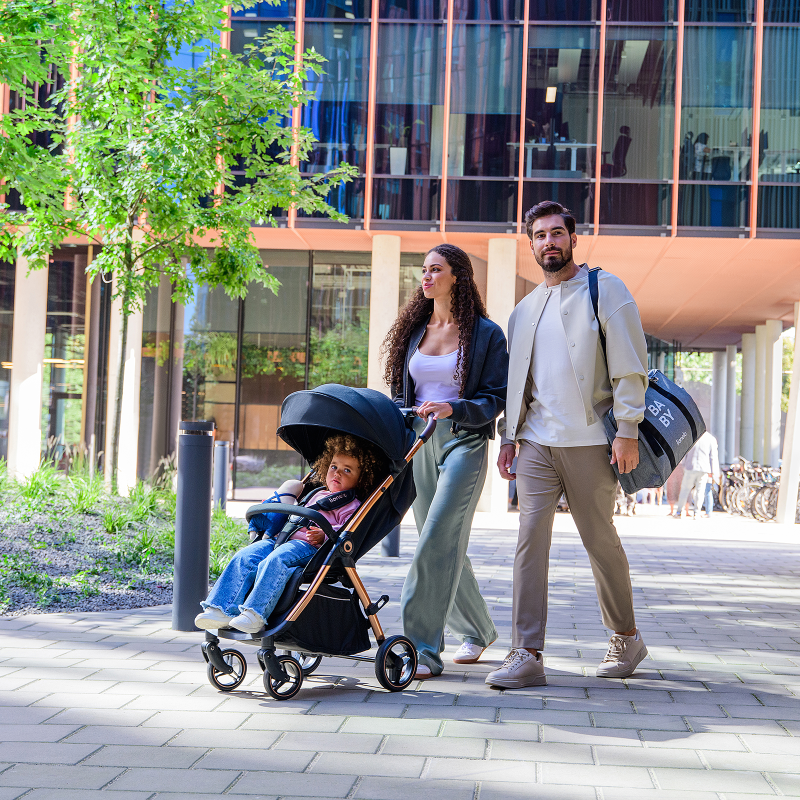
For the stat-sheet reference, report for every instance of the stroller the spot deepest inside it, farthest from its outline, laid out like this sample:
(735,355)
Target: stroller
(325,610)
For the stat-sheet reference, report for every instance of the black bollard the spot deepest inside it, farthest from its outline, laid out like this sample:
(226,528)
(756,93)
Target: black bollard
(192,523)
(221,451)
(390,546)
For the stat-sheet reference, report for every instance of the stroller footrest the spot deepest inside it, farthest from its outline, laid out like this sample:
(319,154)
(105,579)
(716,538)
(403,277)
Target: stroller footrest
(374,608)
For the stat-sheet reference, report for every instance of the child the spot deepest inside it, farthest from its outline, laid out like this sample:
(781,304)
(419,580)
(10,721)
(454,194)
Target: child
(249,588)
(268,526)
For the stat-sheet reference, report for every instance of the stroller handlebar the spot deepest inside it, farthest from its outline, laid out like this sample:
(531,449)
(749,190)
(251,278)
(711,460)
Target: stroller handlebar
(300,511)
(411,413)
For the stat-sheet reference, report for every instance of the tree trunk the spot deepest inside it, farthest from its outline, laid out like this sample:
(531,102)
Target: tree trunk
(123,338)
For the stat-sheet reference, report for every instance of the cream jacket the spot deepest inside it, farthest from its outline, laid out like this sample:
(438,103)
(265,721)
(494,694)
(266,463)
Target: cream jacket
(622,385)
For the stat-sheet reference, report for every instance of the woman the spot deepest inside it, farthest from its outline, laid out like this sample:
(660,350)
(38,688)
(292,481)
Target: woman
(447,358)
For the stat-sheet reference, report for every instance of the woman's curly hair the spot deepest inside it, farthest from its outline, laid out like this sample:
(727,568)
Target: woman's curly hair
(466,305)
(370,463)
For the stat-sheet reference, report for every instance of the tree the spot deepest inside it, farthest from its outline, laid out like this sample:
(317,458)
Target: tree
(141,155)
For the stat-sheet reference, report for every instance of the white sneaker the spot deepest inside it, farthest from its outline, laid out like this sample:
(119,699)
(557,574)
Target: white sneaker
(623,656)
(520,669)
(212,619)
(468,653)
(248,622)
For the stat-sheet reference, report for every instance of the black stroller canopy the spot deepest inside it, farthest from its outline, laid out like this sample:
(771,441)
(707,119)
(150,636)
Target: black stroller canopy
(309,417)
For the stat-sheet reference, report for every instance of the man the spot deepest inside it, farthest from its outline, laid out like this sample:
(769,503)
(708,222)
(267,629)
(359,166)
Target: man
(558,389)
(701,466)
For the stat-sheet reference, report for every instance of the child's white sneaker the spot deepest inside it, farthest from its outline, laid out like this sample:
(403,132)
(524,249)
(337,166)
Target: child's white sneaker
(212,619)
(248,622)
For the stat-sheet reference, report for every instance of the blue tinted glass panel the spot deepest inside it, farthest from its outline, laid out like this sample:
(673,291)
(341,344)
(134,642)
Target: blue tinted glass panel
(7,275)
(779,140)
(338,9)
(286,8)
(635,204)
(245,32)
(482,201)
(711,206)
(716,119)
(409,112)
(412,9)
(578,197)
(411,199)
(781,11)
(642,10)
(338,113)
(565,10)
(561,104)
(485,100)
(720,10)
(779,207)
(639,103)
(489,9)
(345,197)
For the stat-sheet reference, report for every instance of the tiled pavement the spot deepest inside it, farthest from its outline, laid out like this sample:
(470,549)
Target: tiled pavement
(117,704)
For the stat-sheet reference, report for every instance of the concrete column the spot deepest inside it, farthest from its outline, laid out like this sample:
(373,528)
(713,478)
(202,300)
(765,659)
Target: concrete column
(719,397)
(730,405)
(761,388)
(384,296)
(748,407)
(790,467)
(131,363)
(27,358)
(501,286)
(772,392)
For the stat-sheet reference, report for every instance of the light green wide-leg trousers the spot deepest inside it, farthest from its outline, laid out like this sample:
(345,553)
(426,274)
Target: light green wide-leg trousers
(440,589)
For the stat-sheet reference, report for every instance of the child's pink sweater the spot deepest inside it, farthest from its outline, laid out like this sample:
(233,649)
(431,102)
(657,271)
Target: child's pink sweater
(337,517)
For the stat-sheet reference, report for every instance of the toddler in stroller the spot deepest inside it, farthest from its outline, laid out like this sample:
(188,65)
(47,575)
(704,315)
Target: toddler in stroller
(246,593)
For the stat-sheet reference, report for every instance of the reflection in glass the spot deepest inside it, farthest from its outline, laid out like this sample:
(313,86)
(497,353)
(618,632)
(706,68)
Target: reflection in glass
(642,10)
(720,10)
(7,276)
(338,113)
(635,203)
(485,10)
(781,11)
(273,366)
(62,382)
(283,9)
(779,140)
(209,360)
(345,197)
(340,319)
(338,9)
(639,103)
(410,276)
(565,10)
(406,199)
(578,197)
(717,104)
(485,100)
(778,206)
(409,110)
(482,201)
(412,9)
(710,206)
(561,104)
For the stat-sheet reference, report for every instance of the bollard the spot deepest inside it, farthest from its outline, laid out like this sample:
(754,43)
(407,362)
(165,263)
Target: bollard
(390,546)
(221,457)
(192,523)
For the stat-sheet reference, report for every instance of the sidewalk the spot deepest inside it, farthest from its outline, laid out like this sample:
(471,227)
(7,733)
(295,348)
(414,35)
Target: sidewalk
(117,704)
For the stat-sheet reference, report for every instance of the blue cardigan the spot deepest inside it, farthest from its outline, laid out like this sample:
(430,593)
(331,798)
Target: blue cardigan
(485,390)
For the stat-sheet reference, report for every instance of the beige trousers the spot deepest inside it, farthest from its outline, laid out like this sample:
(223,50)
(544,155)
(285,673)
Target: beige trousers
(589,483)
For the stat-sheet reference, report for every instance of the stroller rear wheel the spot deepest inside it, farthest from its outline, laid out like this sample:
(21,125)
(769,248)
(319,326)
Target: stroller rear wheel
(284,690)
(308,661)
(395,663)
(227,682)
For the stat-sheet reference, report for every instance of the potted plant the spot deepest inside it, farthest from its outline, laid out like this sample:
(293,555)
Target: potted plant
(398,149)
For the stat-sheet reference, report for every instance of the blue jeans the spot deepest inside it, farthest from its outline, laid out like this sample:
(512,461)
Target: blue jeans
(256,576)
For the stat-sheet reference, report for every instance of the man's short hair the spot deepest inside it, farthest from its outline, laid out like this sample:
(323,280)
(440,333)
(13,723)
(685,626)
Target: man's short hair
(546,209)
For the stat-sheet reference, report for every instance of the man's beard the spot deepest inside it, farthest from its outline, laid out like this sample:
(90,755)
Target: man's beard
(554,264)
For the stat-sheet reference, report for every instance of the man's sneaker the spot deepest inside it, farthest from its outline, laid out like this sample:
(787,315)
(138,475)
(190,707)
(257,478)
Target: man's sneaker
(623,656)
(468,653)
(212,619)
(520,669)
(248,622)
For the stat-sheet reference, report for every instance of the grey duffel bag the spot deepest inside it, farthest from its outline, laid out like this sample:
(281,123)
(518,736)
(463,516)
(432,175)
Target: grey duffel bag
(672,423)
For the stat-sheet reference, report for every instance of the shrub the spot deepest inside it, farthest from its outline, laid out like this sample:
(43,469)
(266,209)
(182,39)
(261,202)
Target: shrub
(84,494)
(42,484)
(227,536)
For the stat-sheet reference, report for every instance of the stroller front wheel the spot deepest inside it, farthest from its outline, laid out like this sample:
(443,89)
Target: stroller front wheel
(308,661)
(396,663)
(284,690)
(227,682)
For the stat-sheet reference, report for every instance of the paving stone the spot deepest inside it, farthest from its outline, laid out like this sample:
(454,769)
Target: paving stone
(145,756)
(295,722)
(252,759)
(435,746)
(697,741)
(44,753)
(552,752)
(202,781)
(535,791)
(395,727)
(97,716)
(476,770)
(290,783)
(363,764)
(330,742)
(193,719)
(35,733)
(714,780)
(586,775)
(82,794)
(610,755)
(379,788)
(111,734)
(755,762)
(59,776)
(788,784)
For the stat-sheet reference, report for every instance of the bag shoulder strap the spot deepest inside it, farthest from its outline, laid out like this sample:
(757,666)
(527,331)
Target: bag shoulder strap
(594,293)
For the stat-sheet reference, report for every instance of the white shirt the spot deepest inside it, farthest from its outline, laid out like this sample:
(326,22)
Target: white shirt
(433,377)
(556,416)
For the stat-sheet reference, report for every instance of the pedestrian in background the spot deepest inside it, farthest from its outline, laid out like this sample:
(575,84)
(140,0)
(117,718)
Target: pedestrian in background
(701,467)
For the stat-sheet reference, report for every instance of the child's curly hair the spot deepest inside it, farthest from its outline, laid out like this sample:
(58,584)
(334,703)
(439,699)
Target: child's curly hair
(369,462)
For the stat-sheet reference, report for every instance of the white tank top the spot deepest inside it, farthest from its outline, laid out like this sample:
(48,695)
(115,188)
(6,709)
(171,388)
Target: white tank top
(433,377)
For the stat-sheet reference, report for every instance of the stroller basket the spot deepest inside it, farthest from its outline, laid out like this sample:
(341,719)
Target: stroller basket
(325,610)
